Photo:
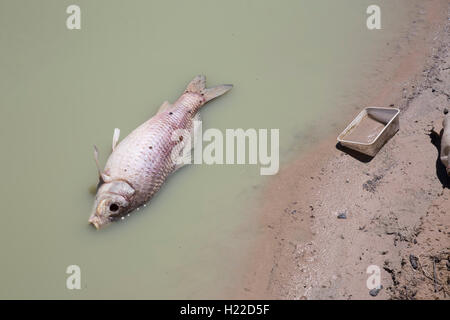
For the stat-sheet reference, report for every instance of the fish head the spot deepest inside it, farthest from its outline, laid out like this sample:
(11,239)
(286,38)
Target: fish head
(112,201)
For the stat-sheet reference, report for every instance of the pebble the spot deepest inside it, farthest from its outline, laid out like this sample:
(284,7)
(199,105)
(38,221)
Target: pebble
(374,292)
(414,261)
(342,215)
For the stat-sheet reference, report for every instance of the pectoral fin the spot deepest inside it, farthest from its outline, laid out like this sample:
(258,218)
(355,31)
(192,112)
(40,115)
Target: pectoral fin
(116,136)
(100,174)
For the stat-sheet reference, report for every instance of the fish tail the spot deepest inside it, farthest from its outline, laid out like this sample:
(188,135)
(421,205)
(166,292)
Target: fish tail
(198,85)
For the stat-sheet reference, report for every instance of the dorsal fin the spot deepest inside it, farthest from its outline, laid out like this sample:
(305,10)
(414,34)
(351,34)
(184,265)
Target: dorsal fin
(116,136)
(101,176)
(166,105)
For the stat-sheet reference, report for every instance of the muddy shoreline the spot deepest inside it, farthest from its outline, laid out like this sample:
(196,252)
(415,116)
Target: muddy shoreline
(394,204)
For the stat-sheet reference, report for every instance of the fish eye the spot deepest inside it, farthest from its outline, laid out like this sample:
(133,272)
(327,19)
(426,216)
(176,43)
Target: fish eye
(113,207)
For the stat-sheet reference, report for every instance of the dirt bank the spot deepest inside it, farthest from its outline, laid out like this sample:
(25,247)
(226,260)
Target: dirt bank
(395,205)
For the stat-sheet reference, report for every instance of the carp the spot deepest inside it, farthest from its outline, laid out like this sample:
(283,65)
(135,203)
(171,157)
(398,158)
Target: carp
(141,162)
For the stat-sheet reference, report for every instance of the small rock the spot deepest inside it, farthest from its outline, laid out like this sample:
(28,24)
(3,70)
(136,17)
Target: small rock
(445,110)
(375,292)
(342,215)
(414,261)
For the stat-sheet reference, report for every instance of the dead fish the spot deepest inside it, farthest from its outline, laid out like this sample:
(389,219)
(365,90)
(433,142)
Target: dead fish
(445,144)
(140,163)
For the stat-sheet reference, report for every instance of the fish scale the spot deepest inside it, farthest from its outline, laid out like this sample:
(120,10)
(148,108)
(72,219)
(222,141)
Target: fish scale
(140,163)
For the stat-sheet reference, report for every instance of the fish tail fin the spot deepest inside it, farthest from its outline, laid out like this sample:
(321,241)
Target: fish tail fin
(198,85)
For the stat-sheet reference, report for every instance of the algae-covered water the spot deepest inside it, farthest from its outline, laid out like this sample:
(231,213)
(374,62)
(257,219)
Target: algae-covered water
(62,91)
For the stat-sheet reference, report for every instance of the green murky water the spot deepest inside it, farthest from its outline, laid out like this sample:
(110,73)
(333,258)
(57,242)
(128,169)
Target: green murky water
(64,90)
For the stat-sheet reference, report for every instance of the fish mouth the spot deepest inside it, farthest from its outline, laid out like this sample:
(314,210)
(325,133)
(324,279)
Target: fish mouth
(97,218)
(98,222)
(94,223)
